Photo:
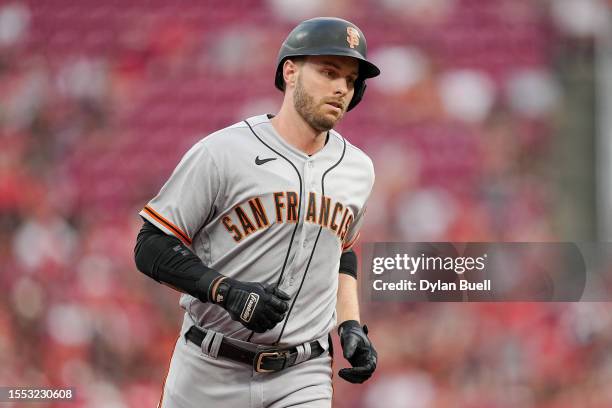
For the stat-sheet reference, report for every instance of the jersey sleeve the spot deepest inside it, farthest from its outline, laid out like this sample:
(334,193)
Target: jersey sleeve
(188,197)
(354,229)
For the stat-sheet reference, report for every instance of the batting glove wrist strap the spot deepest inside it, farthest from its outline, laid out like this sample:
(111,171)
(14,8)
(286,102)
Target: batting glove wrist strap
(206,283)
(348,324)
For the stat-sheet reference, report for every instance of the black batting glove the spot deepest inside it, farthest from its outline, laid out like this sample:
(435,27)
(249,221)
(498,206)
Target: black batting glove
(258,307)
(358,350)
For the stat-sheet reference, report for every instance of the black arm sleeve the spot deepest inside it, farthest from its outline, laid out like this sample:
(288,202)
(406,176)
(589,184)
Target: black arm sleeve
(164,258)
(348,263)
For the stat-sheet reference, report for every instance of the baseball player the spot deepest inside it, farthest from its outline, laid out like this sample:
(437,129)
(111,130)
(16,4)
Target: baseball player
(255,227)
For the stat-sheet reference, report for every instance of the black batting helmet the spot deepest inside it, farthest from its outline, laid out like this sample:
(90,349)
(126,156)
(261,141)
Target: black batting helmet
(328,36)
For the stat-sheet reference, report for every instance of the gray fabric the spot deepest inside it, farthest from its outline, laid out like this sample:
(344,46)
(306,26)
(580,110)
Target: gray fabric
(216,344)
(207,340)
(219,175)
(196,380)
(304,352)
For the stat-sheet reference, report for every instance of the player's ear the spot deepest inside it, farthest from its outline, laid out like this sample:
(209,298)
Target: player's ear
(291,68)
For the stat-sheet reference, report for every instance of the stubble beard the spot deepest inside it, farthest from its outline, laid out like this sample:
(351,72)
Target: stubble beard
(307,108)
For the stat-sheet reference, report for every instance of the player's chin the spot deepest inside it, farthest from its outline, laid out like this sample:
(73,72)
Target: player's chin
(325,122)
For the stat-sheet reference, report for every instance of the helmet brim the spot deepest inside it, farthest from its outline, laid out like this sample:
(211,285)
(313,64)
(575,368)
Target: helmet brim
(366,68)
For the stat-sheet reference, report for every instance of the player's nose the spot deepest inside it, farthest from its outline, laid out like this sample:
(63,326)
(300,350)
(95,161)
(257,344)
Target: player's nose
(341,86)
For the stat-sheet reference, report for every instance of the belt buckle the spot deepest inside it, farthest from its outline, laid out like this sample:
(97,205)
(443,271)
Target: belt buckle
(262,354)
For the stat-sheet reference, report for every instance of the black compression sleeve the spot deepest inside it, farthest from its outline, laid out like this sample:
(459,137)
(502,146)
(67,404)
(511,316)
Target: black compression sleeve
(348,263)
(164,258)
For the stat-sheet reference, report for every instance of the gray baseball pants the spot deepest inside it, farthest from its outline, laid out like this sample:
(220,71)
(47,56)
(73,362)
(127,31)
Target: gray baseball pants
(196,380)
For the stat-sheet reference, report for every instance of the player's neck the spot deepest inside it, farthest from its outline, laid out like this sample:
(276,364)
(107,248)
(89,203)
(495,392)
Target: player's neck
(295,131)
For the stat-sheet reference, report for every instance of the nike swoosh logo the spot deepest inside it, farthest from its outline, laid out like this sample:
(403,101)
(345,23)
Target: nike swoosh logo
(259,161)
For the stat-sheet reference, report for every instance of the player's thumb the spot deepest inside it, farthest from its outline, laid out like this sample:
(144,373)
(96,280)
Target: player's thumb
(349,346)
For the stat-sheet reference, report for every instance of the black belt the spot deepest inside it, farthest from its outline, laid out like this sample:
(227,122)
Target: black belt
(264,359)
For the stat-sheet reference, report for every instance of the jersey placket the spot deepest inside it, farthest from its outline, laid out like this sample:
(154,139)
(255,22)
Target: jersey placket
(300,256)
(306,235)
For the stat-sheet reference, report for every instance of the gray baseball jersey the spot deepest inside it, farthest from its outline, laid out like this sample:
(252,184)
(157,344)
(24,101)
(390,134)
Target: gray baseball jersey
(257,209)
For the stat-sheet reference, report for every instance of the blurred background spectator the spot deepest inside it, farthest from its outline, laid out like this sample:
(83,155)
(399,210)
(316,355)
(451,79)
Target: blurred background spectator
(481,128)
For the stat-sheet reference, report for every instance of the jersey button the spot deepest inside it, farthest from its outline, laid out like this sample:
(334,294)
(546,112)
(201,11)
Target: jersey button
(305,243)
(310,164)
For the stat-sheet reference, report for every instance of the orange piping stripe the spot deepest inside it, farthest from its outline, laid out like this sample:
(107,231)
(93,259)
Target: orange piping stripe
(184,237)
(350,244)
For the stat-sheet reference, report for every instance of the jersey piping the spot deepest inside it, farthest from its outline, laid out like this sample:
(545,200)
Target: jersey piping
(178,232)
(297,224)
(314,247)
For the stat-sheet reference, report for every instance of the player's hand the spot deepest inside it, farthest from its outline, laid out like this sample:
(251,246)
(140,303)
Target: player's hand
(358,350)
(258,307)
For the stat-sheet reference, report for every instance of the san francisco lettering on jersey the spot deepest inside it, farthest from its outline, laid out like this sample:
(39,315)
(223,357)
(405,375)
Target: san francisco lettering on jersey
(249,217)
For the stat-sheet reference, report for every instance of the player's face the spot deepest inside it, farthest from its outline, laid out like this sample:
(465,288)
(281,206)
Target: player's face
(323,90)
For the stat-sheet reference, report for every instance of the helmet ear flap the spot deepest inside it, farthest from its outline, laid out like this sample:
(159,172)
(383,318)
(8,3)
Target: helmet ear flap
(360,87)
(279,81)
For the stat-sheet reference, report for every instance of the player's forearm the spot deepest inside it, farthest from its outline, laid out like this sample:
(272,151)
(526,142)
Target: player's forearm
(165,259)
(347,306)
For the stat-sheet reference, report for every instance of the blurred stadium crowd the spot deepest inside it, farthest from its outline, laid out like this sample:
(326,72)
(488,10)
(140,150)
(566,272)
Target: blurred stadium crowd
(99,100)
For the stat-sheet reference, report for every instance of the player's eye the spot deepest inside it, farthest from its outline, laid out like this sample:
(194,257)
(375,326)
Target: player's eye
(328,73)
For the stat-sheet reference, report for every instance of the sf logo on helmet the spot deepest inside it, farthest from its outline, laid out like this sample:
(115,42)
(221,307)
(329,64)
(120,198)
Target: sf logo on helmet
(353,37)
